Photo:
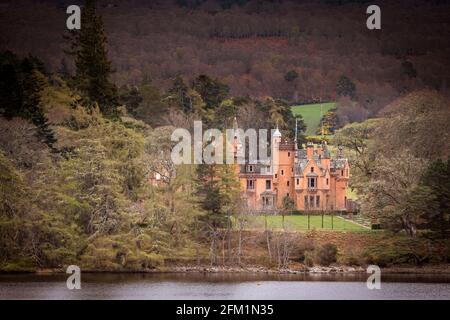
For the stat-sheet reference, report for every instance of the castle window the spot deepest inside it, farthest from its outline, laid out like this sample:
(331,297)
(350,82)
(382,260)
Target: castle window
(292,169)
(276,175)
(287,183)
(317,201)
(250,168)
(312,169)
(268,184)
(289,154)
(327,181)
(250,184)
(287,194)
(282,172)
(342,172)
(312,182)
(298,181)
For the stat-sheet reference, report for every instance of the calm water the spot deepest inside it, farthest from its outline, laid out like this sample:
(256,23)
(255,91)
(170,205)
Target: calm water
(224,286)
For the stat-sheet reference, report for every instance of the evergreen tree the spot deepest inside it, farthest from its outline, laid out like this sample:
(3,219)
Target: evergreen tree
(437,179)
(131,98)
(21,85)
(212,91)
(93,68)
(345,87)
(178,95)
(33,83)
(218,192)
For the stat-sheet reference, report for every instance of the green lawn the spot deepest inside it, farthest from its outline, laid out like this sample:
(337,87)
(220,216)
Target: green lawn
(311,115)
(300,223)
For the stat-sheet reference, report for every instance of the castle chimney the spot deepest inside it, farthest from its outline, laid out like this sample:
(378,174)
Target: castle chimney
(309,150)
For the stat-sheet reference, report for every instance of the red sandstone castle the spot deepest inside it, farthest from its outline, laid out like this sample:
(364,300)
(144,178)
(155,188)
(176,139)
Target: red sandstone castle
(313,180)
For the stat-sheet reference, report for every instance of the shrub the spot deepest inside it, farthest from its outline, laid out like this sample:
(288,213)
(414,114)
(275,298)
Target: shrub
(309,258)
(326,254)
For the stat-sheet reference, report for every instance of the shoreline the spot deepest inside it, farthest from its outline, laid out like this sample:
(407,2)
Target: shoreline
(437,269)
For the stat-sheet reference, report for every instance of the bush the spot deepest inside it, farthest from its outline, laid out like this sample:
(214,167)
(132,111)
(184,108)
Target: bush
(326,254)
(309,258)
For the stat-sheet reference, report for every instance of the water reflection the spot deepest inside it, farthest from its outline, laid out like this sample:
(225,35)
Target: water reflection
(224,286)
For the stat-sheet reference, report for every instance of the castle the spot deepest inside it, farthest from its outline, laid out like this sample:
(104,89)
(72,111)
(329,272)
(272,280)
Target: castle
(310,178)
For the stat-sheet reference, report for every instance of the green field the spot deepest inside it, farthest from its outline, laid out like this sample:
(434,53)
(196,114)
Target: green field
(300,223)
(311,115)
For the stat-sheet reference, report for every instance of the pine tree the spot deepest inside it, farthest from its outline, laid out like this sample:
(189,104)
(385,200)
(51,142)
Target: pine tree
(212,91)
(218,191)
(33,82)
(93,68)
(178,95)
(21,85)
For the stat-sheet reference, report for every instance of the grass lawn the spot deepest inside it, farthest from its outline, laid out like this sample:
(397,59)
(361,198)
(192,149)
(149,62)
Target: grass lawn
(311,115)
(300,223)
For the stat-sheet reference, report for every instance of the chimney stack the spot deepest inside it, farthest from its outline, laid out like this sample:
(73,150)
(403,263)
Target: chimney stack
(309,150)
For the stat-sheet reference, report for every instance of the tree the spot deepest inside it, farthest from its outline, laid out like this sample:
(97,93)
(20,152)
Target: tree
(152,109)
(393,194)
(21,93)
(291,75)
(437,178)
(345,87)
(225,114)
(356,138)
(212,91)
(410,122)
(131,98)
(328,123)
(279,114)
(178,95)
(218,193)
(93,68)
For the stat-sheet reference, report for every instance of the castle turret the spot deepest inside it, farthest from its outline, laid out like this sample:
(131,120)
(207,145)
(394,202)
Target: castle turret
(276,140)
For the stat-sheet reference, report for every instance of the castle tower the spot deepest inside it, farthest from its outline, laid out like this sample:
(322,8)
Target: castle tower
(275,154)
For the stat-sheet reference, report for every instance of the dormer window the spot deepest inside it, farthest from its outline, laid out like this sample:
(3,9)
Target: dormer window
(312,169)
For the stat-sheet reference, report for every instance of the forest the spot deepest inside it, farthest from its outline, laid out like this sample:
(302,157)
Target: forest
(85,124)
(292,50)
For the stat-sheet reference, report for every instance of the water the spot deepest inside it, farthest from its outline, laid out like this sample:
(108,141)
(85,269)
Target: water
(224,286)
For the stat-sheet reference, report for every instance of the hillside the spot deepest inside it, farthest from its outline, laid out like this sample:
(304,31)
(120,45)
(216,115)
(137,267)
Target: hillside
(312,114)
(252,47)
